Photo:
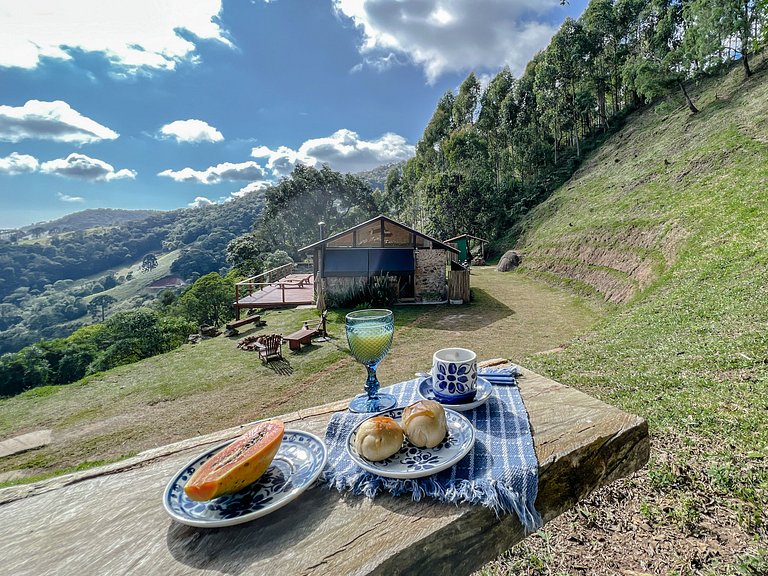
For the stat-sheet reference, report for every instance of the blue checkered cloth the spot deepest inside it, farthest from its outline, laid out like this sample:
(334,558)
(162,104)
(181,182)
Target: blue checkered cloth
(500,472)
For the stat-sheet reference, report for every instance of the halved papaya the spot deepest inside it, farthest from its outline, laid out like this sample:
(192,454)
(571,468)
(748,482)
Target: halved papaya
(238,465)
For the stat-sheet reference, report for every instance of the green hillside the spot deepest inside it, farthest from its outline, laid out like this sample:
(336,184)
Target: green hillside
(136,291)
(670,216)
(94,218)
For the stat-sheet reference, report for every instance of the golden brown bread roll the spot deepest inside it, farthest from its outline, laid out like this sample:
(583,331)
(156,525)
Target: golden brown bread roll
(378,438)
(424,423)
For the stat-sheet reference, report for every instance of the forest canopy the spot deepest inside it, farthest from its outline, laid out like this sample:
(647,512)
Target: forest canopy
(490,154)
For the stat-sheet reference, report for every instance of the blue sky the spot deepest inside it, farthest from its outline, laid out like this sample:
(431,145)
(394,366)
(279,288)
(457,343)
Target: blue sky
(162,105)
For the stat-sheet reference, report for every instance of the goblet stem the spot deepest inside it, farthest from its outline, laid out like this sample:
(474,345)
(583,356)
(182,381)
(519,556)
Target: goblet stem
(372,384)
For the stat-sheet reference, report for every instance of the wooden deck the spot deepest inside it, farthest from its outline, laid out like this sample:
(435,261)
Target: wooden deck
(291,290)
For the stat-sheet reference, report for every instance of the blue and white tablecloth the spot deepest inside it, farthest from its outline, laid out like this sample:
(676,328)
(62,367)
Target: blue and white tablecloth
(500,472)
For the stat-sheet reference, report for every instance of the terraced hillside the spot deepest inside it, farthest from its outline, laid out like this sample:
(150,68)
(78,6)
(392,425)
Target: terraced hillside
(669,220)
(651,190)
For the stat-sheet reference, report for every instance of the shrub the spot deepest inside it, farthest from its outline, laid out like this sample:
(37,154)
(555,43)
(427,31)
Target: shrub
(376,291)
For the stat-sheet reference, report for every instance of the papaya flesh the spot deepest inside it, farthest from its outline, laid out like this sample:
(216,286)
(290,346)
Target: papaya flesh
(237,465)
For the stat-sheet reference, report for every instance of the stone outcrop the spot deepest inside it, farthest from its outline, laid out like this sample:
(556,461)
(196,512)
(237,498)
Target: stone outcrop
(209,331)
(509,261)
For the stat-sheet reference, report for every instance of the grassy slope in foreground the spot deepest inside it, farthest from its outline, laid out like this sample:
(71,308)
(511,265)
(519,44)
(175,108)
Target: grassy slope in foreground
(690,351)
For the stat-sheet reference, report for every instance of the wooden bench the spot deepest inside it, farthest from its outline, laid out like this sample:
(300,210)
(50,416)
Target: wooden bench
(235,324)
(295,282)
(48,527)
(303,336)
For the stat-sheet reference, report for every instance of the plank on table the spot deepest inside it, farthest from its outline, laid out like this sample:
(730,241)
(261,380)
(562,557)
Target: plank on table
(110,520)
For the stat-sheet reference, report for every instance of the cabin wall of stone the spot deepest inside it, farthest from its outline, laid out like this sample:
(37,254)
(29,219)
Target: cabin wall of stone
(429,279)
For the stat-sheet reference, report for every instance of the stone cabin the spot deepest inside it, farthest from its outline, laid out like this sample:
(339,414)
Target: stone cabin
(415,262)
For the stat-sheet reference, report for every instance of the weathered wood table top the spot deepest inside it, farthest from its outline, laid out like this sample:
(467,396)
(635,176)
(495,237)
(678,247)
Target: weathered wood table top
(110,520)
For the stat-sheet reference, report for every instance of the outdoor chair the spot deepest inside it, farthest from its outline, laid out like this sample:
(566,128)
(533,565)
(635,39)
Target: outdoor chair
(269,346)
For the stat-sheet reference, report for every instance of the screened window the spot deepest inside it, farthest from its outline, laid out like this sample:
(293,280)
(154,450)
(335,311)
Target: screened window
(346,262)
(345,241)
(397,236)
(423,242)
(371,262)
(369,235)
(381,261)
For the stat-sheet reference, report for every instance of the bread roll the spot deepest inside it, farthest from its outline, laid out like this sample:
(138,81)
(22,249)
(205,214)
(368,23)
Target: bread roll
(424,423)
(378,438)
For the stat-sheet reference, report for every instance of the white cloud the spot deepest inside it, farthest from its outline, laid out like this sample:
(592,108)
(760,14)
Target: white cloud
(251,187)
(68,198)
(282,161)
(452,35)
(245,171)
(201,201)
(85,168)
(55,120)
(16,163)
(140,34)
(343,151)
(191,131)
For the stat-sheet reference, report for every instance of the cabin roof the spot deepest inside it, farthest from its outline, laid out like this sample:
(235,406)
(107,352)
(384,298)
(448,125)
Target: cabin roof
(435,243)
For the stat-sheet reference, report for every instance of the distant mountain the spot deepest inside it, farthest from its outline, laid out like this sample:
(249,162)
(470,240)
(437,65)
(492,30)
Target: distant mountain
(94,218)
(46,280)
(377,177)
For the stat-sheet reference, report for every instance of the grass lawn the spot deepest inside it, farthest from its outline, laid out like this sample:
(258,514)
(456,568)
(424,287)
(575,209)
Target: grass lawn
(201,388)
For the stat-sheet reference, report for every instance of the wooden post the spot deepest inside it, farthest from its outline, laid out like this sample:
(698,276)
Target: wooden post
(237,299)
(458,285)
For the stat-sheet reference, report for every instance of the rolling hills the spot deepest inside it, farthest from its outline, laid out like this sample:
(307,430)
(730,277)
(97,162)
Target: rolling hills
(92,218)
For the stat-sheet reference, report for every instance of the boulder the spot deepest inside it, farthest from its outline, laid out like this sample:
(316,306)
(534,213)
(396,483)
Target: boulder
(209,331)
(509,261)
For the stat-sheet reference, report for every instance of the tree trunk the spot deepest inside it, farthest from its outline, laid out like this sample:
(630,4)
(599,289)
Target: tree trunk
(602,119)
(745,61)
(691,105)
(745,37)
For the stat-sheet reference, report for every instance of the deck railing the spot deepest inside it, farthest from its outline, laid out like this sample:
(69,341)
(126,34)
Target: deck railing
(271,278)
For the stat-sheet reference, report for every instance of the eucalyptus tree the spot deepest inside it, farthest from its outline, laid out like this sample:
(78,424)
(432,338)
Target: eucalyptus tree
(497,120)
(605,51)
(723,29)
(465,105)
(663,59)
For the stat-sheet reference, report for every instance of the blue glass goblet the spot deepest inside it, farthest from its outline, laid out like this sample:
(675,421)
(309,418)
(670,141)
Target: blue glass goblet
(369,334)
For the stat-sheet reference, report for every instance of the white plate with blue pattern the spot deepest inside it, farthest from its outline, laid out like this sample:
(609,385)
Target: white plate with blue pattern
(297,464)
(484,390)
(413,462)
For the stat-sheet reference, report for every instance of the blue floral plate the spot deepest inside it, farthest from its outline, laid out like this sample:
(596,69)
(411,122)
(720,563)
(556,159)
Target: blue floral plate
(484,391)
(297,464)
(413,462)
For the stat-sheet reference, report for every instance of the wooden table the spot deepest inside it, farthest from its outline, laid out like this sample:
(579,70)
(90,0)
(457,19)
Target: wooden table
(110,520)
(302,336)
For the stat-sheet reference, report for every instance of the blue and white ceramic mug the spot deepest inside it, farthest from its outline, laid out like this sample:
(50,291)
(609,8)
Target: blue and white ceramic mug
(454,375)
